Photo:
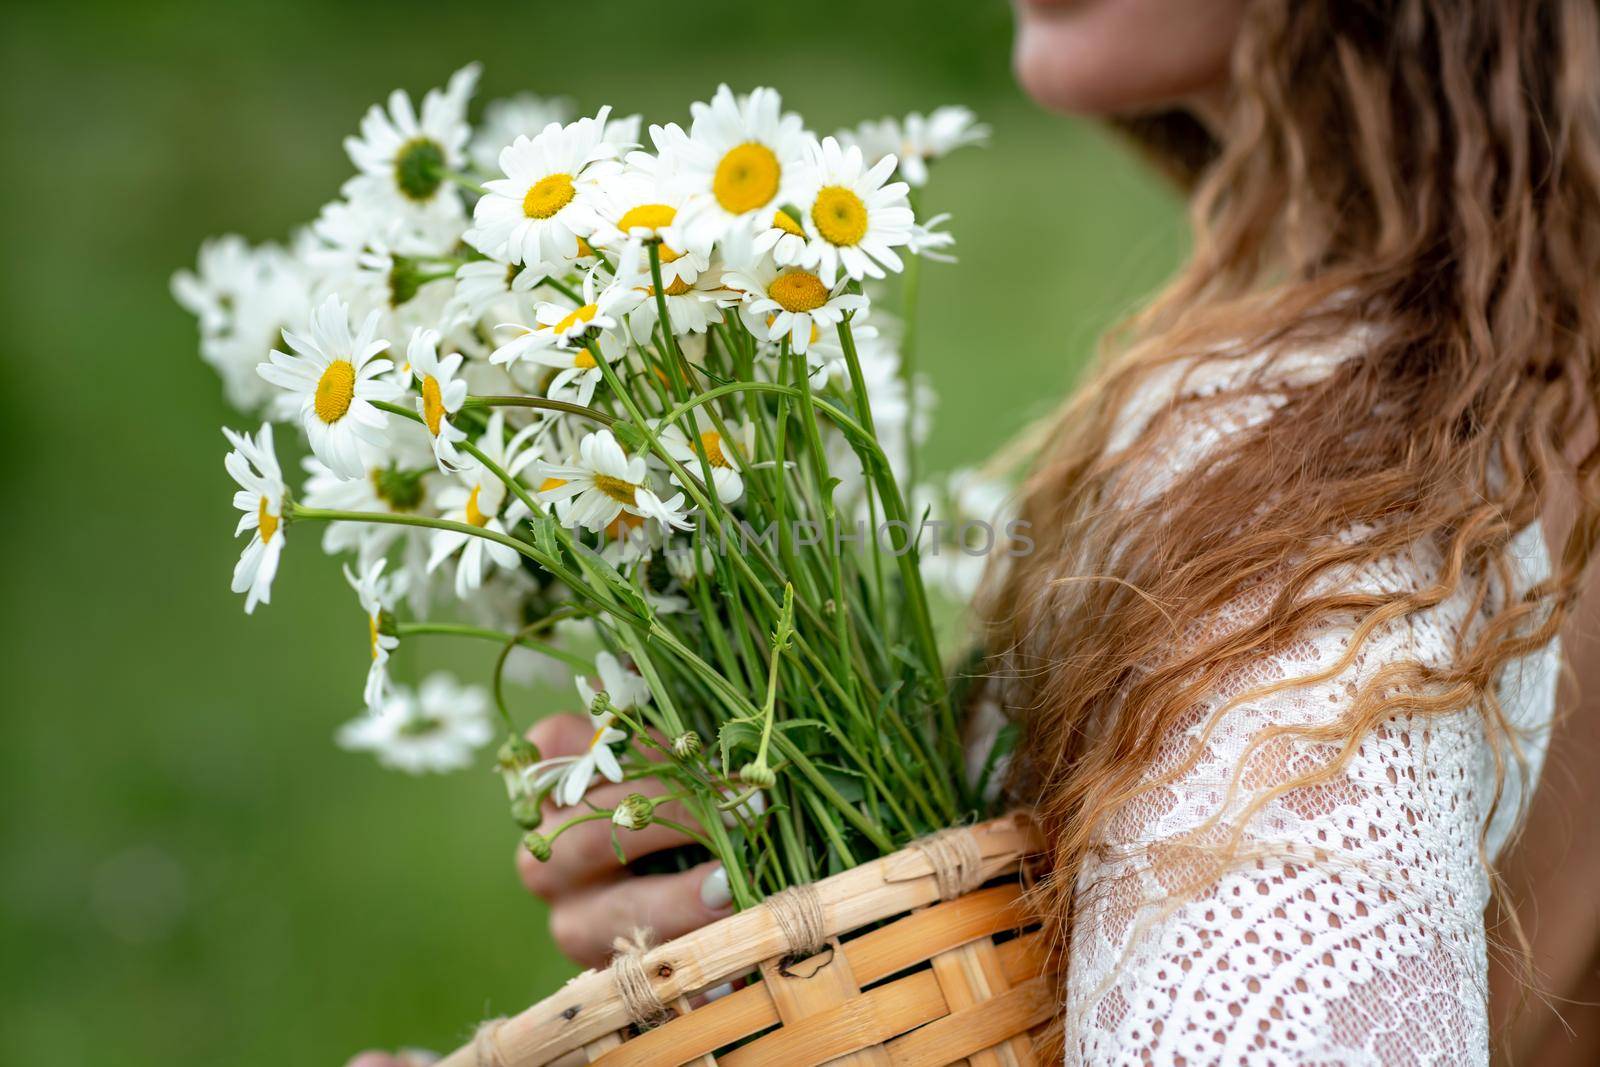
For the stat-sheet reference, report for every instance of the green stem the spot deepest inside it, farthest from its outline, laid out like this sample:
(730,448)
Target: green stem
(452,629)
(529,402)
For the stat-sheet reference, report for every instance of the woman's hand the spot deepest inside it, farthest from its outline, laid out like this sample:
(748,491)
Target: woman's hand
(594,899)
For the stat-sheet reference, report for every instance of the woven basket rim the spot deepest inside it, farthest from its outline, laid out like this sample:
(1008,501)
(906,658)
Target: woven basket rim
(589,1006)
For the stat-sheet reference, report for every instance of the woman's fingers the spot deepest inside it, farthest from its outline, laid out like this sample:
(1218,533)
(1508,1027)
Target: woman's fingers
(584,854)
(561,735)
(668,905)
(592,900)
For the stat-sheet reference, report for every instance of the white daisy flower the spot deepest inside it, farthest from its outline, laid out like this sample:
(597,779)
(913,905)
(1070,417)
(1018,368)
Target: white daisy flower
(628,540)
(692,307)
(735,162)
(537,214)
(917,140)
(400,485)
(226,270)
(335,377)
(825,353)
(853,220)
(243,297)
(485,285)
(638,206)
(689,560)
(720,454)
(603,482)
(623,686)
(377,594)
(623,131)
(577,371)
(930,242)
(522,115)
(561,322)
(376,259)
(503,604)
(784,238)
(441,393)
(476,499)
(437,729)
(571,776)
(404,158)
(560,338)
(254,465)
(788,301)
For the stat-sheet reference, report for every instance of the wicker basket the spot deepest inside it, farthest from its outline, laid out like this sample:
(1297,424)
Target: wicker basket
(902,978)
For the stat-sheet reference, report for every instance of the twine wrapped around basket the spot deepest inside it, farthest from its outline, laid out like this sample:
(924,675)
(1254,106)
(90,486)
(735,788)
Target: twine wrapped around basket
(923,957)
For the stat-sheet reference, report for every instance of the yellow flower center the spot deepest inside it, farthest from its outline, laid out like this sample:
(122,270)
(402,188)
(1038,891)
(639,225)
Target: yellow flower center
(475,516)
(335,389)
(618,528)
(711,441)
(583,359)
(266,521)
(616,488)
(785,222)
(432,404)
(551,483)
(746,178)
(598,734)
(652,217)
(798,290)
(584,251)
(372,633)
(549,195)
(583,314)
(840,215)
(676,287)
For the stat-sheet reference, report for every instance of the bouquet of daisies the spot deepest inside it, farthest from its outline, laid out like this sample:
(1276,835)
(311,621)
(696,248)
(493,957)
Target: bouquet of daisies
(634,411)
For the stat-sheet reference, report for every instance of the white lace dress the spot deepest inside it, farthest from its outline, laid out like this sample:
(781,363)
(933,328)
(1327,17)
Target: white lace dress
(1353,931)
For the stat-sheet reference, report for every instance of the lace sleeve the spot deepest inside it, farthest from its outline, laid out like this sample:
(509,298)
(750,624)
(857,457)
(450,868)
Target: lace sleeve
(1350,929)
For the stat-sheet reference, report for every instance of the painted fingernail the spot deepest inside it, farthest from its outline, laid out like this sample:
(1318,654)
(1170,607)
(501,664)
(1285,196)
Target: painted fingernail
(714,892)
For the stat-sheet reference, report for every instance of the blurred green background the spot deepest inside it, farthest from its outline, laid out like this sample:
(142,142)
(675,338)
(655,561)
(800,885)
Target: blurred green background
(190,871)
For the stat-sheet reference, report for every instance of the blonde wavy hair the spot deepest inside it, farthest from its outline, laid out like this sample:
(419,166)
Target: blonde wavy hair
(1432,166)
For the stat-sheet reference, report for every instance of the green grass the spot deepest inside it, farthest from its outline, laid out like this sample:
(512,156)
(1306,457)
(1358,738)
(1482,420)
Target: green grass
(190,872)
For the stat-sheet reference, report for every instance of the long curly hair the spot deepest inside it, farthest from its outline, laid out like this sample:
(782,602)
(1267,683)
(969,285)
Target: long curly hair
(1429,166)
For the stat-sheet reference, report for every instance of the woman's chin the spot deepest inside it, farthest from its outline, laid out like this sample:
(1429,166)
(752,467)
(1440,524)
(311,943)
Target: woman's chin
(1092,57)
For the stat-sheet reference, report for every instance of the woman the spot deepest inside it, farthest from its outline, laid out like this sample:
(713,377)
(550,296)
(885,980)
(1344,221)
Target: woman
(1286,649)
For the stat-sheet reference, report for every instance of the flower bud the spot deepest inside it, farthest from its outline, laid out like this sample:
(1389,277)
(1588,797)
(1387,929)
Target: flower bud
(686,745)
(600,705)
(537,844)
(634,813)
(526,812)
(388,625)
(758,775)
(513,761)
(516,754)
(405,278)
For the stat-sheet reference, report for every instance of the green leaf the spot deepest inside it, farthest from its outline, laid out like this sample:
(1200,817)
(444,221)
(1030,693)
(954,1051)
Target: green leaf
(543,528)
(735,734)
(596,567)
